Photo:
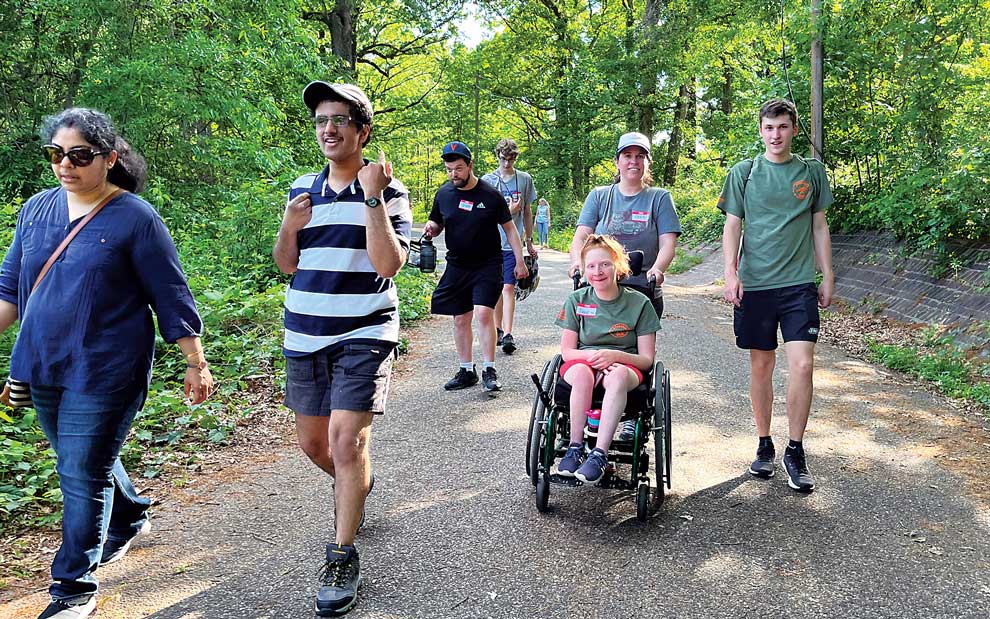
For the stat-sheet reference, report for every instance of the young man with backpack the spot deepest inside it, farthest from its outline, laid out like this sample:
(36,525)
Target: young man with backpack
(782,198)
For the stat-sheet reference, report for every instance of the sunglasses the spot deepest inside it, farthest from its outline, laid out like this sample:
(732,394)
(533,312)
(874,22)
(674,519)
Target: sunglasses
(80,156)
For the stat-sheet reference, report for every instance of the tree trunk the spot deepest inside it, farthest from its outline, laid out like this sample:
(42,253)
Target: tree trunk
(674,146)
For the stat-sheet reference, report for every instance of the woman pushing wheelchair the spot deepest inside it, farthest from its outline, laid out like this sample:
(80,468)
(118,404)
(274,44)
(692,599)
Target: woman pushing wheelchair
(608,342)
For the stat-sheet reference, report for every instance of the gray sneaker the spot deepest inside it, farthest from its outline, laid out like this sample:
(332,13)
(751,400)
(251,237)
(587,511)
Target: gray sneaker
(340,580)
(762,467)
(489,380)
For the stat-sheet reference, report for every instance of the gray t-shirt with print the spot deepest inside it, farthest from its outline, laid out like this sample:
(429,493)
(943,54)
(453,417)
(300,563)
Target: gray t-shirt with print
(521,183)
(635,221)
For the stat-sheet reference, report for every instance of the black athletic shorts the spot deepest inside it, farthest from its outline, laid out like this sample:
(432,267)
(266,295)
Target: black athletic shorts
(793,308)
(461,288)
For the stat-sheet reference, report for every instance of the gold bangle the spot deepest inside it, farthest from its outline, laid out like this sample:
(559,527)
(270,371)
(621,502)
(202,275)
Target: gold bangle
(195,352)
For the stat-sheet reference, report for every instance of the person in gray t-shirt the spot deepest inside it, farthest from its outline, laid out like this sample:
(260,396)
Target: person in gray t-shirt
(639,216)
(517,188)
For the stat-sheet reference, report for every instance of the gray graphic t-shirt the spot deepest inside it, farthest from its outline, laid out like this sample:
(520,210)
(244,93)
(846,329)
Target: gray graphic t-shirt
(635,221)
(521,183)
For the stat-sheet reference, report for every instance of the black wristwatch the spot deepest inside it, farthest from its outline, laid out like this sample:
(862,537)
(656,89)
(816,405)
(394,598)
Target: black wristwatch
(373,202)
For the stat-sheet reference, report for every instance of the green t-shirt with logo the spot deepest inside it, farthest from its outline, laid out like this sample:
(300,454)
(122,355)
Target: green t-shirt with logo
(776,205)
(612,324)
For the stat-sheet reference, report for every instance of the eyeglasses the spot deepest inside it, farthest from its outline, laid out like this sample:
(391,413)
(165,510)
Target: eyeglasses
(337,120)
(508,157)
(80,156)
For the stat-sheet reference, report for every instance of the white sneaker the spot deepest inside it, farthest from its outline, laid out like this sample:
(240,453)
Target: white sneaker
(61,610)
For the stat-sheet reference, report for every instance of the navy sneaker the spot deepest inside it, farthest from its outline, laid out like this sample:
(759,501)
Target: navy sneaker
(508,344)
(340,579)
(796,466)
(462,380)
(573,458)
(60,609)
(594,467)
(763,465)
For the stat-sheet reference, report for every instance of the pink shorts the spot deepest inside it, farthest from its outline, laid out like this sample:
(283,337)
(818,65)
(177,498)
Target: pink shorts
(569,364)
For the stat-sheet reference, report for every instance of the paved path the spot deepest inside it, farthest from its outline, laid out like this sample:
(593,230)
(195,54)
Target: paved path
(453,530)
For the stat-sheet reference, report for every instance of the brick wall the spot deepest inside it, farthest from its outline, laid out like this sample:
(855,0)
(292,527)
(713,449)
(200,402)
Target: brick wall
(875,273)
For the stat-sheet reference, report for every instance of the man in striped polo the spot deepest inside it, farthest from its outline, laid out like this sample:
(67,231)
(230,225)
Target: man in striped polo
(344,235)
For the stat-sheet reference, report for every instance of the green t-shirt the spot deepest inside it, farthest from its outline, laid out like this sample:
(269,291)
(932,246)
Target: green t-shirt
(776,205)
(612,324)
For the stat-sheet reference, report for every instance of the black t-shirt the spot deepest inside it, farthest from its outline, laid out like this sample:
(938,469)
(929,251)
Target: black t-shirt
(471,220)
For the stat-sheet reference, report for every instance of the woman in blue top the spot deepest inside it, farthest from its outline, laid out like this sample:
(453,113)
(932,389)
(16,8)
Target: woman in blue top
(543,222)
(86,340)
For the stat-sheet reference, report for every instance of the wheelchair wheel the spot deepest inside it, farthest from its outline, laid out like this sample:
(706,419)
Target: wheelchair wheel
(668,447)
(661,432)
(546,375)
(543,493)
(643,502)
(538,438)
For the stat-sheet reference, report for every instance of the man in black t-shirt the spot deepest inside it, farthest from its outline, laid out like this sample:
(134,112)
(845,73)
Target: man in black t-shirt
(471,212)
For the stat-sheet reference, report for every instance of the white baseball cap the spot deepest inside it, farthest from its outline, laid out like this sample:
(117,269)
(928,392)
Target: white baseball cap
(633,139)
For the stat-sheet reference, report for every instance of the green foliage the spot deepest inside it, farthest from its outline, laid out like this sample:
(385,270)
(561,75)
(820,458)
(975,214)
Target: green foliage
(940,362)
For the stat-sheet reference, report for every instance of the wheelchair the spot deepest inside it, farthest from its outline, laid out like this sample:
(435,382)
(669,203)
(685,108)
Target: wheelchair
(549,436)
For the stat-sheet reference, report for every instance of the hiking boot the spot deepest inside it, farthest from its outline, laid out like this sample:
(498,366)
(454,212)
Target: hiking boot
(489,380)
(572,460)
(508,344)
(340,579)
(462,380)
(499,333)
(628,430)
(594,467)
(798,476)
(115,549)
(762,467)
(60,609)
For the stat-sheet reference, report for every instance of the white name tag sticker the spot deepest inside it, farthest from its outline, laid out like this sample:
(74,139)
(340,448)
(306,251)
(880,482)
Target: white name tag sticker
(587,310)
(466,205)
(641,216)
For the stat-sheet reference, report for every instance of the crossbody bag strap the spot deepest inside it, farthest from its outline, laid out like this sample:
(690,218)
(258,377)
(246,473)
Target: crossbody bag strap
(65,242)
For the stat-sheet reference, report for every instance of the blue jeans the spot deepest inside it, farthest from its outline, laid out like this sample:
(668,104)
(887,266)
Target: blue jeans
(543,230)
(87,431)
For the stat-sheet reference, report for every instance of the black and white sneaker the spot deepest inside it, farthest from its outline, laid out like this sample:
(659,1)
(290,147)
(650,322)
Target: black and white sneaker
(115,549)
(499,333)
(489,380)
(762,467)
(340,579)
(628,432)
(796,466)
(60,609)
(462,380)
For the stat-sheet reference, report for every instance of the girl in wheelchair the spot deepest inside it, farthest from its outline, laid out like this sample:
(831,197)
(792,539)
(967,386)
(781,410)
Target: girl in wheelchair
(608,340)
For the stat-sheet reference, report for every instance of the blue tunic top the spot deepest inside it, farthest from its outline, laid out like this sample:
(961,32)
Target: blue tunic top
(88,327)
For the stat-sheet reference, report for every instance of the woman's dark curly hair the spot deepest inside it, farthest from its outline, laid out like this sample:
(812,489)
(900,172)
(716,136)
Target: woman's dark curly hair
(130,172)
